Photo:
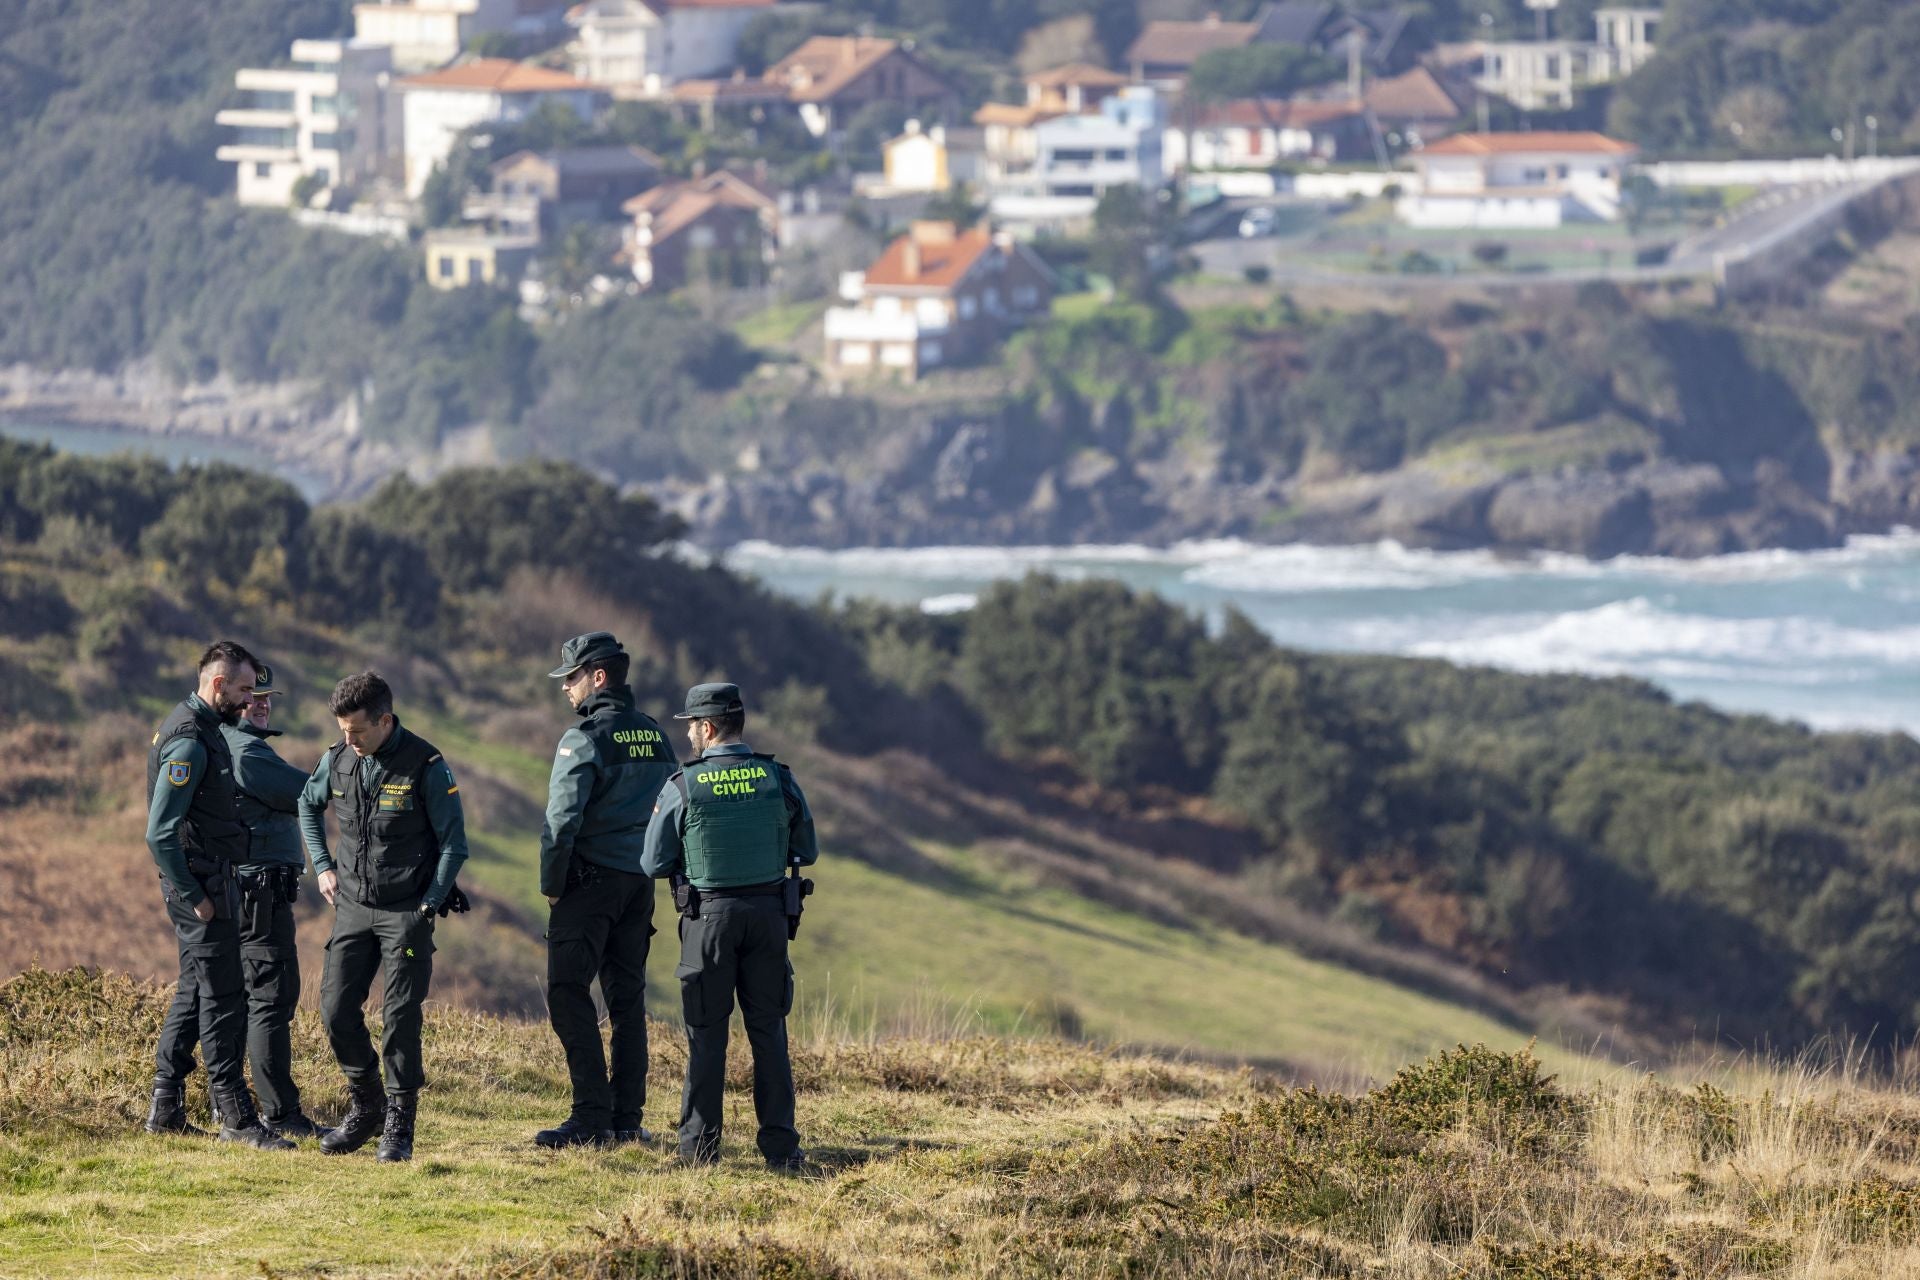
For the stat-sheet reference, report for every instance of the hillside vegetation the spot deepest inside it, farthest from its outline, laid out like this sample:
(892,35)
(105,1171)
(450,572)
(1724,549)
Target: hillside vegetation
(1575,856)
(965,1156)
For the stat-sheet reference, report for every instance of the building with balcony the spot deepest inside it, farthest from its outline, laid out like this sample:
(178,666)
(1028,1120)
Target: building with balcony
(936,296)
(643,47)
(1547,75)
(436,106)
(320,119)
(540,192)
(1517,180)
(1079,158)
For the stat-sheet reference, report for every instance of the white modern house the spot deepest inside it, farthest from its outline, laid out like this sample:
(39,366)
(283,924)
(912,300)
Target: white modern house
(1516,181)
(321,118)
(1078,158)
(1543,75)
(436,106)
(430,33)
(643,47)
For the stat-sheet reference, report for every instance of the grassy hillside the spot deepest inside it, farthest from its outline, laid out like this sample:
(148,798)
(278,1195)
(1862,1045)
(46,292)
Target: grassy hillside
(968,1156)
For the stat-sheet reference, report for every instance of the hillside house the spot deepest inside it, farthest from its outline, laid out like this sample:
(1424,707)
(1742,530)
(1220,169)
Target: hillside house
(936,296)
(437,105)
(1517,180)
(719,229)
(320,119)
(830,78)
(644,47)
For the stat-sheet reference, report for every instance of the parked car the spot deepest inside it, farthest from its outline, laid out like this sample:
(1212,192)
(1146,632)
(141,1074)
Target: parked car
(1258,222)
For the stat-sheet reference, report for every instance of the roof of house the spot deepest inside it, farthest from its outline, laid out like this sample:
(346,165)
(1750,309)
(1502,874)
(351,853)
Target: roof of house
(582,161)
(496,75)
(1180,44)
(1379,30)
(824,65)
(1275,113)
(1019,115)
(580,12)
(942,263)
(1527,144)
(722,186)
(1294,22)
(1084,74)
(1418,94)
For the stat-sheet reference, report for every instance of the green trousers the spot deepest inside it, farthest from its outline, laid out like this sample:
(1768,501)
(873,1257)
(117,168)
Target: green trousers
(602,929)
(397,945)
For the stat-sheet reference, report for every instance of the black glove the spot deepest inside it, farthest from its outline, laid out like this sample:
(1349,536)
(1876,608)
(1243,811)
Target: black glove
(457,902)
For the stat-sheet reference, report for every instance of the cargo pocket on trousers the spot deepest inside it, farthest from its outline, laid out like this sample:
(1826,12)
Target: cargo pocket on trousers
(216,967)
(268,982)
(786,992)
(693,995)
(570,958)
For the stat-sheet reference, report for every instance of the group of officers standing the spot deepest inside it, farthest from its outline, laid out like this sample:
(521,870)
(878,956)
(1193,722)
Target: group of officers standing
(230,825)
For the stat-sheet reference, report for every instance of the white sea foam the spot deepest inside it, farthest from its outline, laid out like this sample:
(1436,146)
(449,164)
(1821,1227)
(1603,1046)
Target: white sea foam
(1632,636)
(953,602)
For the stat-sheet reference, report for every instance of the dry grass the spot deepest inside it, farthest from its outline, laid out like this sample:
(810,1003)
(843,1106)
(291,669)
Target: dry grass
(961,1155)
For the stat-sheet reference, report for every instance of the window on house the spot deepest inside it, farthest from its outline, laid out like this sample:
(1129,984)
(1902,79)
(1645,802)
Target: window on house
(445,266)
(1553,66)
(261,169)
(476,271)
(1534,176)
(1564,171)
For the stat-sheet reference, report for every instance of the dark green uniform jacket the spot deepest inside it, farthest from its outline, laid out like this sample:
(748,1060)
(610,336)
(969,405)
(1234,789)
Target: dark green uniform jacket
(741,820)
(607,774)
(269,795)
(403,836)
(192,812)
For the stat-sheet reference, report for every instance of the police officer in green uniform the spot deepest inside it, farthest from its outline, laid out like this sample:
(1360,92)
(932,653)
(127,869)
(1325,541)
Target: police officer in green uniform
(269,797)
(607,774)
(196,837)
(403,839)
(727,828)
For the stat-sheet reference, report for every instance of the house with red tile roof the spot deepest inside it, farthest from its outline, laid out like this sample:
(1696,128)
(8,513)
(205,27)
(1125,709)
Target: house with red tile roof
(437,105)
(720,228)
(938,295)
(1517,180)
(1260,133)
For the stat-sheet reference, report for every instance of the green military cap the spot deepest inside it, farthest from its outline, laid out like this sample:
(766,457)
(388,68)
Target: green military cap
(706,701)
(262,679)
(595,646)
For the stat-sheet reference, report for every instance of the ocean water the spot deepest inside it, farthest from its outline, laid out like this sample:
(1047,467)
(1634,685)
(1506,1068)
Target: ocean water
(1831,638)
(92,441)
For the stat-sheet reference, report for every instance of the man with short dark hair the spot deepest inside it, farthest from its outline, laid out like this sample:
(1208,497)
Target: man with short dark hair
(268,798)
(729,825)
(607,773)
(196,837)
(403,839)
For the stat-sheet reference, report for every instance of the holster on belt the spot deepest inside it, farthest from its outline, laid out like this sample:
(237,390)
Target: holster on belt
(686,898)
(217,878)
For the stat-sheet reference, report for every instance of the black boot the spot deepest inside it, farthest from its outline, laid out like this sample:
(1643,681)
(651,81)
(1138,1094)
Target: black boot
(240,1123)
(571,1133)
(298,1125)
(361,1122)
(396,1140)
(169,1111)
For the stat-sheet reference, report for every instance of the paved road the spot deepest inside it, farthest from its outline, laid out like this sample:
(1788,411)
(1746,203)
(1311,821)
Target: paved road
(1757,226)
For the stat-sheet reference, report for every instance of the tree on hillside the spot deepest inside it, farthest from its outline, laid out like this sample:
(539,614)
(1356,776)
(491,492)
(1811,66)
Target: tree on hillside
(1257,71)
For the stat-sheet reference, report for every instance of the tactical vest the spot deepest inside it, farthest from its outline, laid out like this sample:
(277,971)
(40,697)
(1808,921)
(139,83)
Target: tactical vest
(736,821)
(388,850)
(213,831)
(634,763)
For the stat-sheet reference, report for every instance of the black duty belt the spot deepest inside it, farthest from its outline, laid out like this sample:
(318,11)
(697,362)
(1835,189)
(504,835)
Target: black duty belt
(771,889)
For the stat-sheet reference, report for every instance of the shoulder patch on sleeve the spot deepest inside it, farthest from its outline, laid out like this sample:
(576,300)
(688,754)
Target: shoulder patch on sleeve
(566,751)
(179,772)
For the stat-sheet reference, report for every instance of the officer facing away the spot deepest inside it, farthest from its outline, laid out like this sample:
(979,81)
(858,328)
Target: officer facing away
(727,827)
(607,774)
(268,798)
(196,837)
(402,840)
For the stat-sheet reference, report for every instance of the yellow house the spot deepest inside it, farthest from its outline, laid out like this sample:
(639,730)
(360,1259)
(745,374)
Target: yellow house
(932,159)
(460,256)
